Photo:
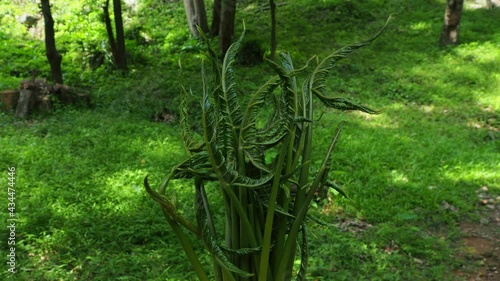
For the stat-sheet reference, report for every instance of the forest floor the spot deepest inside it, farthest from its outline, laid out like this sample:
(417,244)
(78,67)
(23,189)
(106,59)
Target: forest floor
(481,241)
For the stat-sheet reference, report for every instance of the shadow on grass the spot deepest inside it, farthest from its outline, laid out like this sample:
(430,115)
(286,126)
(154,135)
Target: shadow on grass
(81,213)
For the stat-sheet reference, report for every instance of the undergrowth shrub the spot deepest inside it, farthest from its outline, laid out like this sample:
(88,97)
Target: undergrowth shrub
(262,170)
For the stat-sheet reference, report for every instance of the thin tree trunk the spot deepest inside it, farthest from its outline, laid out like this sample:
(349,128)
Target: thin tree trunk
(191,15)
(109,30)
(226,30)
(201,15)
(121,60)
(451,27)
(196,16)
(216,11)
(274,43)
(50,44)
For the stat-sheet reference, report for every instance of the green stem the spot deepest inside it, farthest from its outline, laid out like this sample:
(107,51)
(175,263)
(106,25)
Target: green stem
(268,228)
(292,235)
(227,276)
(283,201)
(235,235)
(306,137)
(200,189)
(243,261)
(244,243)
(306,154)
(188,249)
(169,208)
(241,212)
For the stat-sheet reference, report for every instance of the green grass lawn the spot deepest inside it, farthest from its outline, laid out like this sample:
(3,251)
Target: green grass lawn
(411,172)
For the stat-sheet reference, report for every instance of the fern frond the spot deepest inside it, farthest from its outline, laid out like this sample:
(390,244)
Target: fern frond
(317,78)
(169,209)
(288,89)
(335,187)
(231,106)
(212,56)
(304,255)
(208,234)
(241,251)
(210,240)
(190,144)
(197,165)
(343,104)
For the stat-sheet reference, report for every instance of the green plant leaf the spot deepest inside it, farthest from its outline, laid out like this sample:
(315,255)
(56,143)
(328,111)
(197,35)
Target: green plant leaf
(224,170)
(337,188)
(263,197)
(304,255)
(319,181)
(212,56)
(248,131)
(241,251)
(343,104)
(190,144)
(317,78)
(208,234)
(198,165)
(229,102)
(318,220)
(288,90)
(169,208)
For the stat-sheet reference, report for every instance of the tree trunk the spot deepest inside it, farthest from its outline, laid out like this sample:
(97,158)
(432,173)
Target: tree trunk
(191,15)
(216,17)
(9,99)
(196,16)
(488,4)
(201,15)
(451,27)
(109,30)
(121,60)
(226,30)
(50,44)
(274,43)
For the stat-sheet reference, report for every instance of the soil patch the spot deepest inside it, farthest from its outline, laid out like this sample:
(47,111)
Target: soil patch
(480,250)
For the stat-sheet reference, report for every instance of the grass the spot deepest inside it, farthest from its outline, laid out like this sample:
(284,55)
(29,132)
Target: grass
(83,213)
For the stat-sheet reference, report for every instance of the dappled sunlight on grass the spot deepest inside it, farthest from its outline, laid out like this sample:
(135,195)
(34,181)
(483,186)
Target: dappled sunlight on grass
(420,26)
(376,120)
(478,52)
(492,97)
(442,78)
(398,177)
(125,185)
(479,172)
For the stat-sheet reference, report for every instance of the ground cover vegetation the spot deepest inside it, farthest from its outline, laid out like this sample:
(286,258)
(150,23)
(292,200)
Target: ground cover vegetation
(411,172)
